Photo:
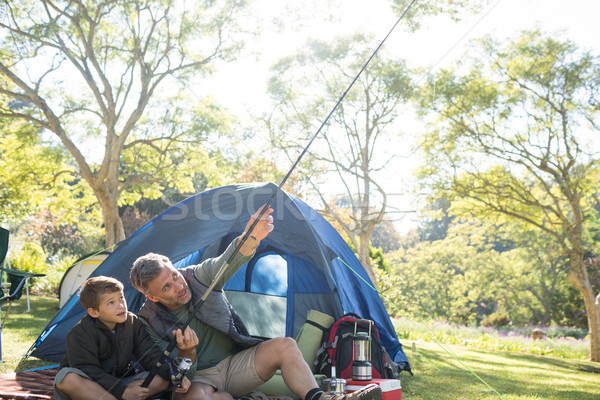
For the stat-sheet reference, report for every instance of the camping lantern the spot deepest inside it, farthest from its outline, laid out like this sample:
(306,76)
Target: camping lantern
(361,356)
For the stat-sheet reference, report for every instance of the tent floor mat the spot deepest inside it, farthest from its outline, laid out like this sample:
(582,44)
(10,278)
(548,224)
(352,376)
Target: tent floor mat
(25,385)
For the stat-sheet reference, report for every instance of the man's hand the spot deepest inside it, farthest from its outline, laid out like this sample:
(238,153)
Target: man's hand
(260,231)
(186,343)
(185,385)
(135,391)
(263,227)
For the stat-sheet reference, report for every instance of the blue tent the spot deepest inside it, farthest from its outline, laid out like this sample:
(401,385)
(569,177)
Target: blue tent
(303,264)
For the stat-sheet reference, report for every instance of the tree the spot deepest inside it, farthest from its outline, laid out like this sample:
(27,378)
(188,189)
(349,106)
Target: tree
(350,150)
(480,269)
(417,11)
(385,236)
(37,184)
(90,73)
(447,279)
(513,138)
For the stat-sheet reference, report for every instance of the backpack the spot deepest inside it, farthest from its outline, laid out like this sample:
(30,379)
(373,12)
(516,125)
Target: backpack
(336,349)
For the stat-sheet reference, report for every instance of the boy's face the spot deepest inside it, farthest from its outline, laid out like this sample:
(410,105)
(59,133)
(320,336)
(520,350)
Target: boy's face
(111,310)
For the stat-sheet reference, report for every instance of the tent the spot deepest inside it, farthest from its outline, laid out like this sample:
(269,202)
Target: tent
(77,273)
(303,264)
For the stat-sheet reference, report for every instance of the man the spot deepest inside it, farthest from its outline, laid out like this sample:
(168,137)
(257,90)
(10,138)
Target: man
(229,362)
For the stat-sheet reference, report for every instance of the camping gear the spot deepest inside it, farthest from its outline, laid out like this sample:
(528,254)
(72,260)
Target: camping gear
(179,367)
(337,349)
(361,356)
(309,341)
(34,384)
(334,385)
(77,273)
(302,265)
(391,388)
(15,280)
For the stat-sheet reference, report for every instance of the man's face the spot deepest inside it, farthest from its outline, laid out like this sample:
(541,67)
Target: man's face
(111,310)
(169,288)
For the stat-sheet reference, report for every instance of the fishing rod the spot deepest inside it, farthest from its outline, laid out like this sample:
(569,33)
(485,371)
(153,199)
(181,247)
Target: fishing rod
(194,309)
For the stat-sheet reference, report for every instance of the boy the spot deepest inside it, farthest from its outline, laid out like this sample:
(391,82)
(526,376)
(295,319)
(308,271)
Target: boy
(100,347)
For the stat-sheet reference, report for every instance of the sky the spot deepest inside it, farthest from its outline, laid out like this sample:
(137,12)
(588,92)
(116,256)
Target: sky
(241,85)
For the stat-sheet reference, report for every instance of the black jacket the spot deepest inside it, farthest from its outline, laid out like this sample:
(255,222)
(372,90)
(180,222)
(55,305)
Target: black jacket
(105,357)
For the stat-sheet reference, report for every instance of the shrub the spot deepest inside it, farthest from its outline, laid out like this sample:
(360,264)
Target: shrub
(496,319)
(31,257)
(50,283)
(504,339)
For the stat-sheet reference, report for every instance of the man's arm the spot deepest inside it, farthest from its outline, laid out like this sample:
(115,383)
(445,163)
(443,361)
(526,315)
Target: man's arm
(207,271)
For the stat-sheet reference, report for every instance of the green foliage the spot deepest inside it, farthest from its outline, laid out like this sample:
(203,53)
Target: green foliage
(378,259)
(113,139)
(510,142)
(50,284)
(421,10)
(31,257)
(481,269)
(443,279)
(496,319)
(36,175)
(502,339)
(59,239)
(390,291)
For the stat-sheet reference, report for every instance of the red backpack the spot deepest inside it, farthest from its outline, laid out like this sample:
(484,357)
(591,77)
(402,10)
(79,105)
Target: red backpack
(336,348)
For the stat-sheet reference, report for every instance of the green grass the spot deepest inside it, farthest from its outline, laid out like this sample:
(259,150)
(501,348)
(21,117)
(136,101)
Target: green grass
(438,375)
(515,376)
(22,328)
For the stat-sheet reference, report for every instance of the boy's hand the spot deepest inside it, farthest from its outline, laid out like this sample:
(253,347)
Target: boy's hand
(185,385)
(186,343)
(135,391)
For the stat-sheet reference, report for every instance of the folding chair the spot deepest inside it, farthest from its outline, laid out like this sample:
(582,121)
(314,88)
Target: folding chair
(17,280)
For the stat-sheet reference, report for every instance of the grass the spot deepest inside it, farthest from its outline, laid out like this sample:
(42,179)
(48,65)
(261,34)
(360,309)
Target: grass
(437,374)
(22,328)
(513,376)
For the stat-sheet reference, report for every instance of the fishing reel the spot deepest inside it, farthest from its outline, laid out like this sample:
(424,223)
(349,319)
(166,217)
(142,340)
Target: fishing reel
(179,366)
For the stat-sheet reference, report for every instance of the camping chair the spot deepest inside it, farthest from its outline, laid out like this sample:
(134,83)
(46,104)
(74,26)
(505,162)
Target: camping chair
(16,279)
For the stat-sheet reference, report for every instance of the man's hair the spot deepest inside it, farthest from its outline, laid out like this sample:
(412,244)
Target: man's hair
(146,268)
(94,288)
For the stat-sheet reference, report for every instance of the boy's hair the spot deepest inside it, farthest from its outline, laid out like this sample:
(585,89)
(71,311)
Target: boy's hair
(95,287)
(146,268)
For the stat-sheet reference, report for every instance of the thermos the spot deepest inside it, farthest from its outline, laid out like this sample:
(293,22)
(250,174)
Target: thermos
(361,356)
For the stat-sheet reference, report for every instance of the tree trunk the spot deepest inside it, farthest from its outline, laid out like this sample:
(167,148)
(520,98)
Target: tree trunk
(364,256)
(579,278)
(113,225)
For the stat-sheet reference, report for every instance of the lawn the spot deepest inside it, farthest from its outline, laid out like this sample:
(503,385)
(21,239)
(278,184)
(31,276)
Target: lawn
(437,372)
(439,375)
(22,328)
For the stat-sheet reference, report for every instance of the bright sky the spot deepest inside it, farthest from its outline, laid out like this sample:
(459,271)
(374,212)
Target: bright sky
(241,85)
